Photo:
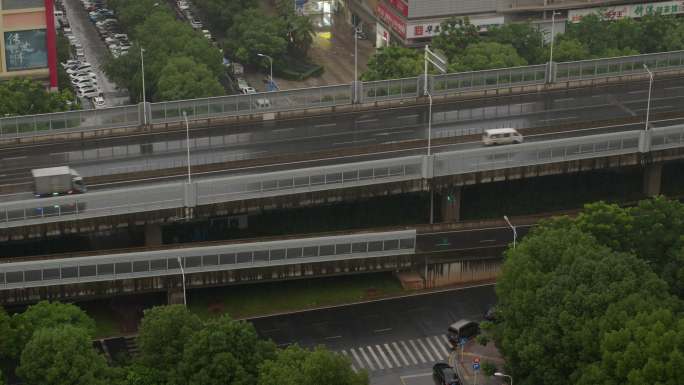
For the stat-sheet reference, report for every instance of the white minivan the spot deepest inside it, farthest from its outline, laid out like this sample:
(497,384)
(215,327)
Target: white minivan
(501,136)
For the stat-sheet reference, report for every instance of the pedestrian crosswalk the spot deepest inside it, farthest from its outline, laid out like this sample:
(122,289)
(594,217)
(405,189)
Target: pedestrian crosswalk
(398,354)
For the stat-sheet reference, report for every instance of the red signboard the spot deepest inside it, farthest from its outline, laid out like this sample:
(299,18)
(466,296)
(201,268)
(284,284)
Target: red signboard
(400,6)
(387,15)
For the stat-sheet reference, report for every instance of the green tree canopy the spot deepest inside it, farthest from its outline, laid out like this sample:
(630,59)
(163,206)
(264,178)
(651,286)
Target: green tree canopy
(524,37)
(297,366)
(23,96)
(393,63)
(256,33)
(9,347)
(560,292)
(225,349)
(455,35)
(164,331)
(568,49)
(220,14)
(61,355)
(482,56)
(46,314)
(183,78)
(301,32)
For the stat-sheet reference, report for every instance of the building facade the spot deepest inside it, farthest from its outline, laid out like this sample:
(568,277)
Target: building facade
(28,44)
(413,23)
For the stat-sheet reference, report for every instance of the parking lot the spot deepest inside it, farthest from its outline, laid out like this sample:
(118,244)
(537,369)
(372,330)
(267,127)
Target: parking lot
(87,41)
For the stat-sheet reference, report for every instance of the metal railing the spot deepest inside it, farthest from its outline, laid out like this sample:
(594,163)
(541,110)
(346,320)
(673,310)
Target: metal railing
(205,259)
(337,95)
(234,188)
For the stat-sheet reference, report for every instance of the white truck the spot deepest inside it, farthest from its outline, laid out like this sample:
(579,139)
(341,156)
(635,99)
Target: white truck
(54,181)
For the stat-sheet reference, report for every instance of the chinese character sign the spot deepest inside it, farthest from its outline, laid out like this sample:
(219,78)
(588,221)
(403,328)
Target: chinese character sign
(631,11)
(25,50)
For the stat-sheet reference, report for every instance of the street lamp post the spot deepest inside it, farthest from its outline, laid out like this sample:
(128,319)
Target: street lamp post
(270,60)
(553,25)
(515,233)
(187,142)
(650,88)
(499,374)
(356,50)
(180,264)
(142,65)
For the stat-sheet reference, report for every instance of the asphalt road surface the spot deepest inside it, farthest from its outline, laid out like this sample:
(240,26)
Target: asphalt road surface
(389,338)
(470,239)
(251,141)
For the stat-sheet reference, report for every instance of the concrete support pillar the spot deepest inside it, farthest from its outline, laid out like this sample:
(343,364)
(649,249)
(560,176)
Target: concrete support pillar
(153,234)
(652,179)
(451,204)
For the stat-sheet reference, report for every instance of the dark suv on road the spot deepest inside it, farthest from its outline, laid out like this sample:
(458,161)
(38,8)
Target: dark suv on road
(443,374)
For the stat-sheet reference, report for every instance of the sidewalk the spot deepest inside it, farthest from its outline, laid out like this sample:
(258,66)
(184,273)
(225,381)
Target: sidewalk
(464,366)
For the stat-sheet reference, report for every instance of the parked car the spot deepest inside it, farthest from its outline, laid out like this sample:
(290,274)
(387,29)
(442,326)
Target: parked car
(87,92)
(99,101)
(196,23)
(70,63)
(83,74)
(81,67)
(491,314)
(443,374)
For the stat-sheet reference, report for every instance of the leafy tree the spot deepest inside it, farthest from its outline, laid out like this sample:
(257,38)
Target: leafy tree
(133,13)
(482,56)
(225,351)
(567,49)
(301,33)
(62,355)
(393,63)
(164,331)
(648,349)
(182,78)
(46,314)
(256,33)
(455,36)
(674,38)
(524,37)
(591,32)
(9,347)
(23,96)
(296,366)
(653,30)
(2,378)
(559,293)
(220,14)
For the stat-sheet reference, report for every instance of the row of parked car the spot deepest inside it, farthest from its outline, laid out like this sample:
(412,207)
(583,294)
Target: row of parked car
(185,9)
(84,81)
(107,26)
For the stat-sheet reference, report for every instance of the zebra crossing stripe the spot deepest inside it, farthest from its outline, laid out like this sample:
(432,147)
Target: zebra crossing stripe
(344,352)
(357,358)
(444,337)
(370,350)
(391,353)
(441,346)
(401,354)
(415,349)
(427,352)
(434,349)
(384,357)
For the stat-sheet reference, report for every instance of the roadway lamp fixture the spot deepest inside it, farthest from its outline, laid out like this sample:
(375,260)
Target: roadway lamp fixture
(499,374)
(180,264)
(270,60)
(515,233)
(650,88)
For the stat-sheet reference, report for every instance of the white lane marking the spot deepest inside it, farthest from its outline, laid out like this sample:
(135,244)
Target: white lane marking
(391,353)
(15,158)
(325,125)
(372,352)
(564,99)
(407,116)
(354,142)
(415,349)
(427,352)
(434,349)
(445,339)
(487,240)
(332,337)
(417,375)
(358,360)
(384,357)
(382,330)
(368,361)
(367,120)
(563,118)
(674,88)
(283,129)
(401,354)
(637,92)
(596,96)
(344,352)
(441,346)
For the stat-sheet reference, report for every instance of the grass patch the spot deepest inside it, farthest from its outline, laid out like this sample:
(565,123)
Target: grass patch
(266,298)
